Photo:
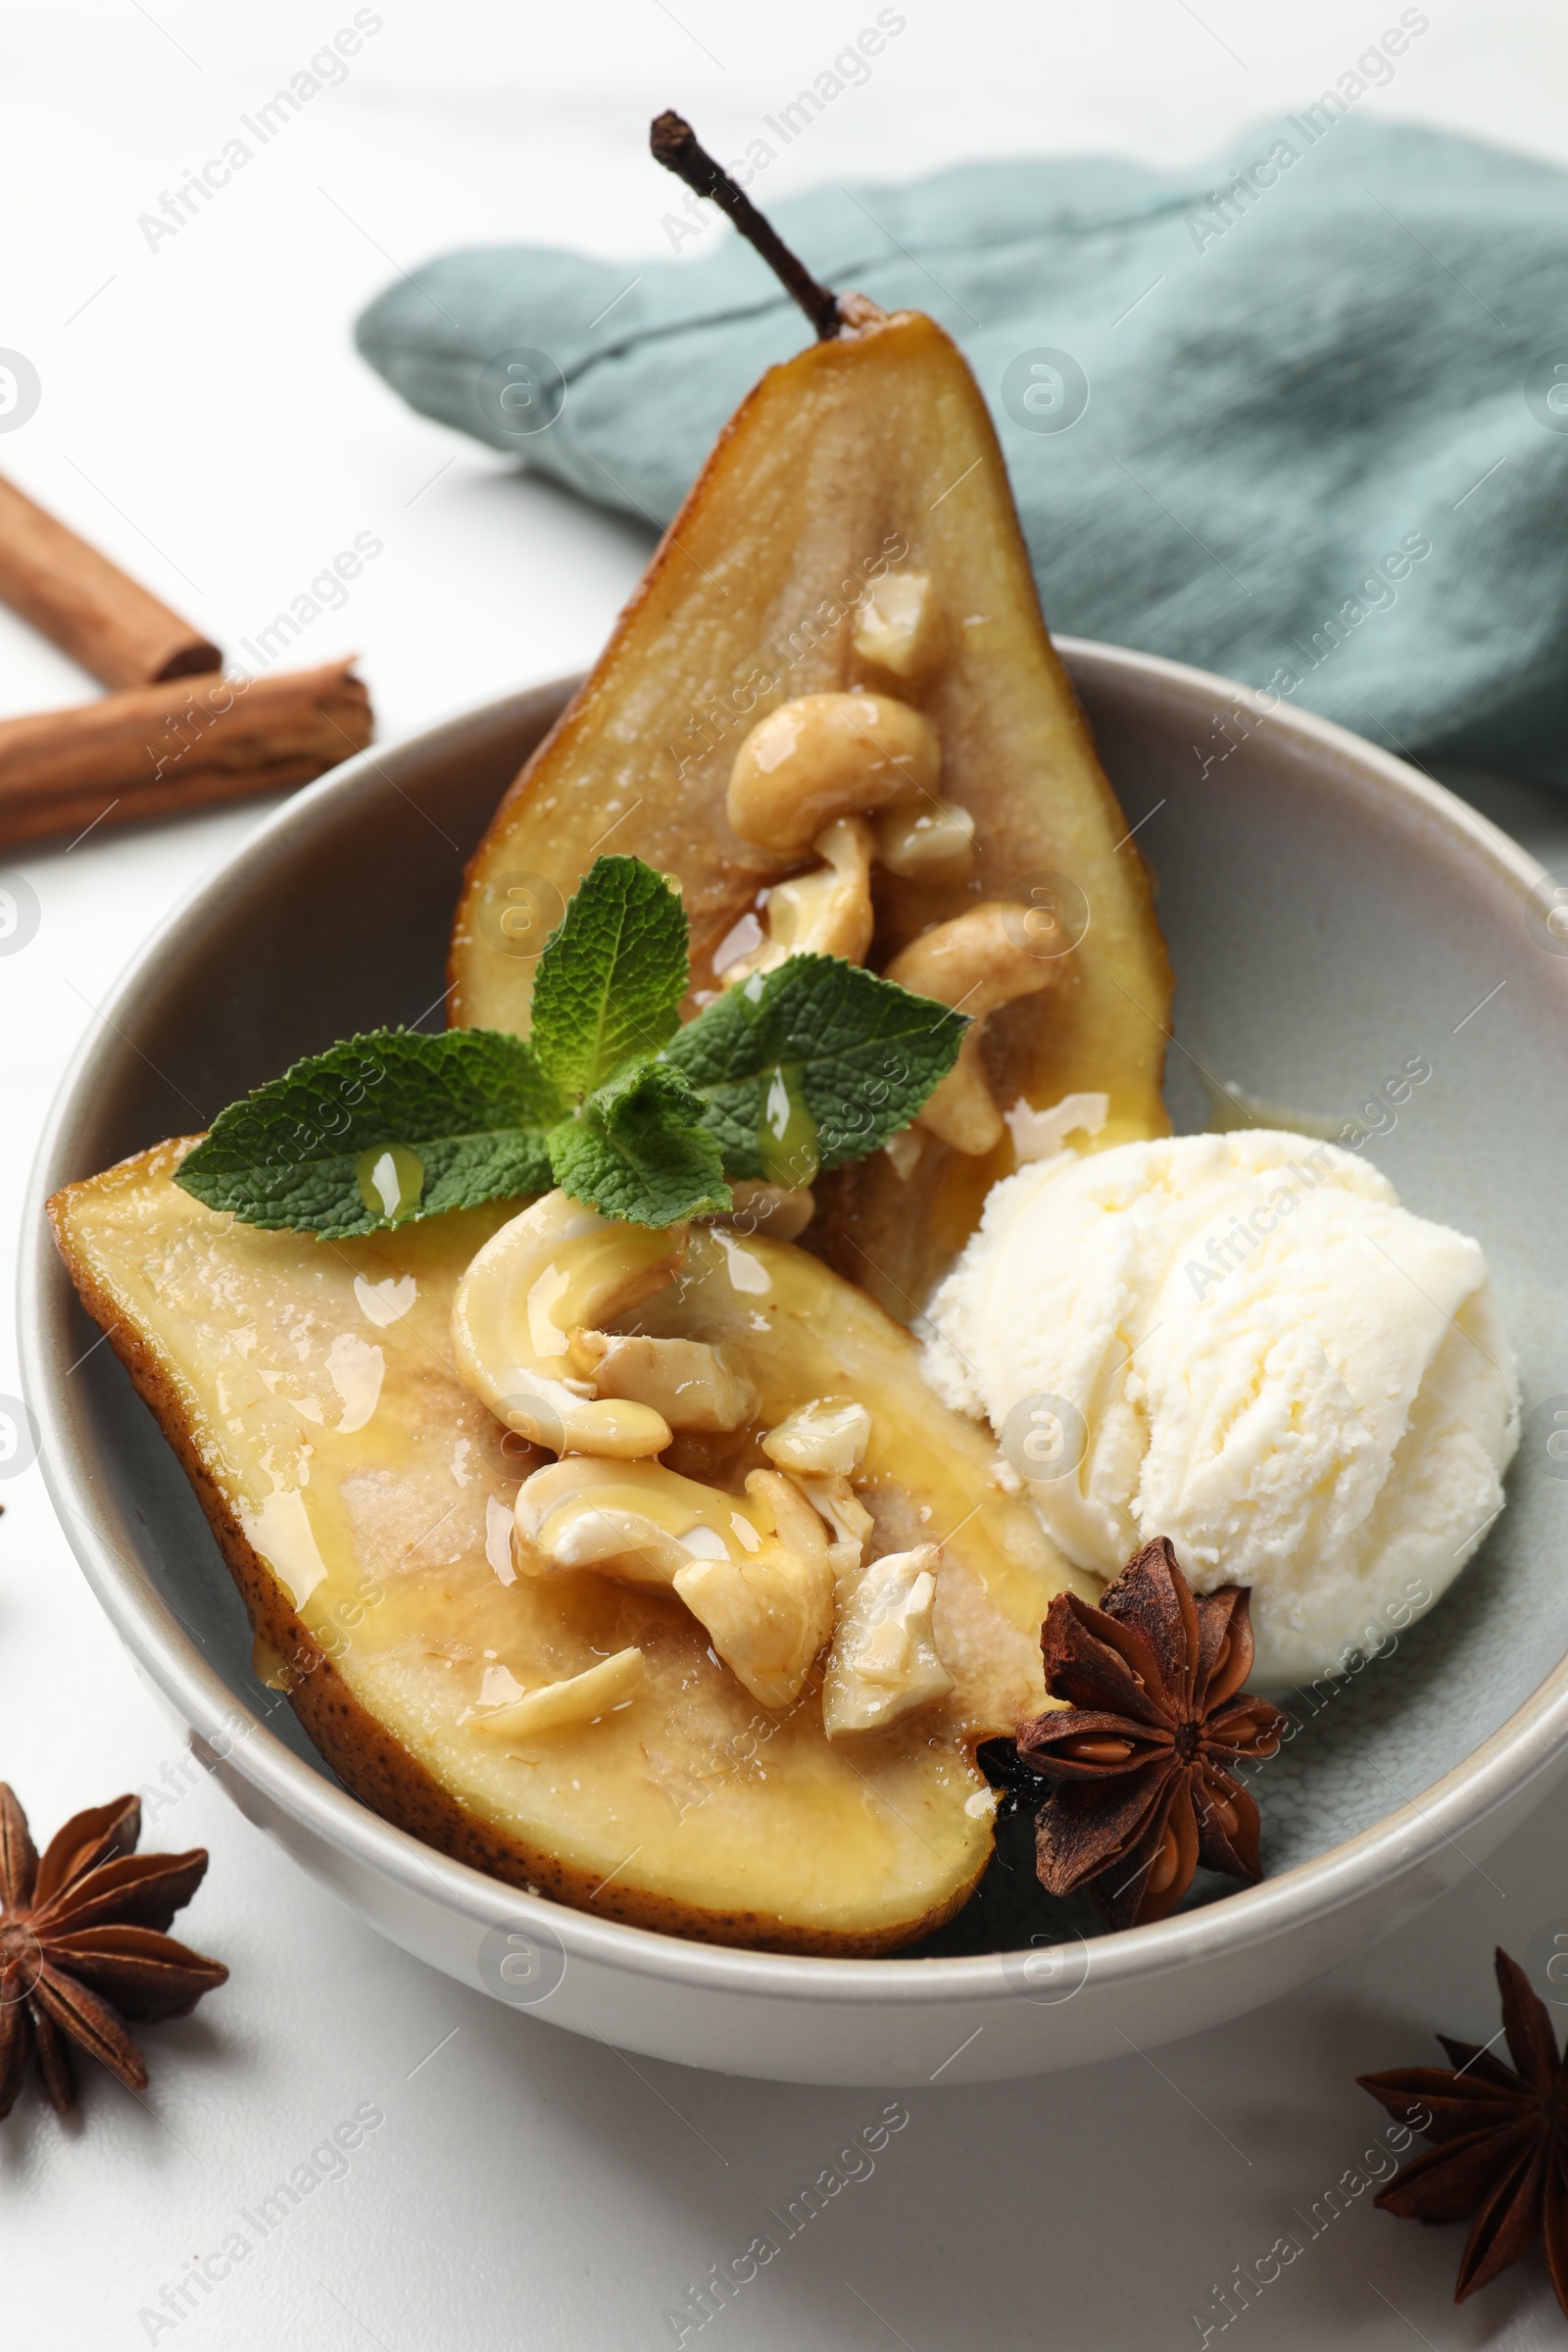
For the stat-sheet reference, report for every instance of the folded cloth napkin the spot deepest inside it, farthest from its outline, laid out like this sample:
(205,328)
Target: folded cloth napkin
(1302,419)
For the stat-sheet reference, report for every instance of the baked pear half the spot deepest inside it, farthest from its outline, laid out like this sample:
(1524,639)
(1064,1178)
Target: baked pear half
(835,677)
(553,1706)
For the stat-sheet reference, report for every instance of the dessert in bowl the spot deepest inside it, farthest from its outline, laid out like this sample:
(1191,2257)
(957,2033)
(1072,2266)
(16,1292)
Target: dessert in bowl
(642,1565)
(1398,1777)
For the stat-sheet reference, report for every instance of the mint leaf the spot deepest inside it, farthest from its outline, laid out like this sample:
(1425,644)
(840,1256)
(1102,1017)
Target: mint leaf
(638,1148)
(816,1043)
(612,975)
(379,1129)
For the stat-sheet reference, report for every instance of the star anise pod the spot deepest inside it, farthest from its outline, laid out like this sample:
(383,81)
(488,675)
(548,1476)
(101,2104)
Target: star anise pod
(1143,1754)
(1502,2140)
(82,1947)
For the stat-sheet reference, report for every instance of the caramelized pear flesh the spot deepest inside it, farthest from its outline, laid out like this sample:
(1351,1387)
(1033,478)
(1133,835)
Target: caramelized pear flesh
(364,1498)
(866,459)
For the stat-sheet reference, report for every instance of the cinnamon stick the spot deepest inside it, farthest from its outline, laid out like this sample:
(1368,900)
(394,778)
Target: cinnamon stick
(87,605)
(164,749)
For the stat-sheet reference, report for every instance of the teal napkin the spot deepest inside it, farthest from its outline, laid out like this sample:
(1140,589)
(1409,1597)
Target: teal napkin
(1301,416)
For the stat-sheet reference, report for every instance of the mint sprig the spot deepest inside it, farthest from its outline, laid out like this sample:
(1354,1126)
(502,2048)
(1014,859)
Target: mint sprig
(816,1064)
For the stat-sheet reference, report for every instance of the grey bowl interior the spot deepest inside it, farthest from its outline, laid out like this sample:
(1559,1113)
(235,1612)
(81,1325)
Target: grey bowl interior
(1331,918)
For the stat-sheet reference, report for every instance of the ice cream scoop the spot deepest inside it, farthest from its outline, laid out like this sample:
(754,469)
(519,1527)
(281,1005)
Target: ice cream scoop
(1242,1341)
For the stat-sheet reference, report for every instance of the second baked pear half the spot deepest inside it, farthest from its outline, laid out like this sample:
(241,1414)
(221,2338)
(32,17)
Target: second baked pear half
(833,714)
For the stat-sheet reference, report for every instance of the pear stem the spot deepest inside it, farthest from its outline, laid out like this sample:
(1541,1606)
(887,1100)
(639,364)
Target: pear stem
(676,146)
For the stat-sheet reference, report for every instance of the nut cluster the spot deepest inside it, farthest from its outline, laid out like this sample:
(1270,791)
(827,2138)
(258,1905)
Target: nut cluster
(854,779)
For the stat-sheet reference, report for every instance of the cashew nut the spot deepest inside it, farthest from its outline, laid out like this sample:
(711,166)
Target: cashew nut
(974,964)
(851,1523)
(766,1619)
(752,1569)
(819,1445)
(926,841)
(579,1698)
(824,755)
(906,1150)
(782,1212)
(885,1663)
(523,1342)
(901,626)
(686,1381)
(826,1437)
(826,911)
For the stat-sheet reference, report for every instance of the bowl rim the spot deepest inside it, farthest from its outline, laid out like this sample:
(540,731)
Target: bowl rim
(1518,1752)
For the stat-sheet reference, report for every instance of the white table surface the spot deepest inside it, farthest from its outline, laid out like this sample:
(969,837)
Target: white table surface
(204,419)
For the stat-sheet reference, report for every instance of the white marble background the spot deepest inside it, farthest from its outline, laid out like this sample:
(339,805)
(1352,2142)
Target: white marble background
(204,419)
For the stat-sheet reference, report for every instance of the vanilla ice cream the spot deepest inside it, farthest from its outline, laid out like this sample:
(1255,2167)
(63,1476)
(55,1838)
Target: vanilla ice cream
(1243,1343)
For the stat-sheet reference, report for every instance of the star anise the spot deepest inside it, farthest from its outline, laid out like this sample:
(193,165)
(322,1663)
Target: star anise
(1143,1754)
(82,1947)
(1501,2134)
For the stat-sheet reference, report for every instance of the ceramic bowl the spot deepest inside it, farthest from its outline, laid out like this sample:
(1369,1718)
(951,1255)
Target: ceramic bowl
(1333,917)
